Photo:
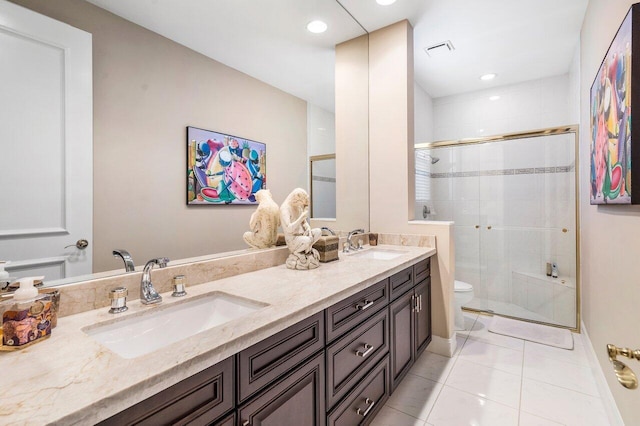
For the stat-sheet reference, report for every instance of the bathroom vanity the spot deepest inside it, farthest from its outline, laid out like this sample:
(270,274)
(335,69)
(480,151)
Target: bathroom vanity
(328,347)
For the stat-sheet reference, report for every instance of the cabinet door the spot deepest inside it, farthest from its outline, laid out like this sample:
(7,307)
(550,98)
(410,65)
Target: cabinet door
(422,316)
(297,399)
(199,399)
(401,337)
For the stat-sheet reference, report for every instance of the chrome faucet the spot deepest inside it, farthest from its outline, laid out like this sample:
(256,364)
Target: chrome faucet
(351,234)
(148,294)
(126,258)
(329,230)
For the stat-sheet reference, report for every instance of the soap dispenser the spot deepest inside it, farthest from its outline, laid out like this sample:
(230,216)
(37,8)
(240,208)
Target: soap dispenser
(4,275)
(27,290)
(26,317)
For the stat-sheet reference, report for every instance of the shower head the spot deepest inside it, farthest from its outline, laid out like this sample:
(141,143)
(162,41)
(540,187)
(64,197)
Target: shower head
(434,160)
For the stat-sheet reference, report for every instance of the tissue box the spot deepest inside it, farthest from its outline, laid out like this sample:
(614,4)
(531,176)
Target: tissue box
(327,247)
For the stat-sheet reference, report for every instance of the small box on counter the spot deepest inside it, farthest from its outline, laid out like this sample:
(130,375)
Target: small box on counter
(327,247)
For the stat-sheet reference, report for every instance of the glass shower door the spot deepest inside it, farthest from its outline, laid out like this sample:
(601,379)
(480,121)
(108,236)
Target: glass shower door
(513,202)
(528,220)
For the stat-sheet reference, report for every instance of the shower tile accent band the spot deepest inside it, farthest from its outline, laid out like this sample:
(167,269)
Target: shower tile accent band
(504,172)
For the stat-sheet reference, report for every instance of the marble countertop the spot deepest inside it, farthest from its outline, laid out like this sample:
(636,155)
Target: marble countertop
(72,379)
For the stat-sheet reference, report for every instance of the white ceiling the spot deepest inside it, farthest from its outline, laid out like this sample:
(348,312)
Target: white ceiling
(519,40)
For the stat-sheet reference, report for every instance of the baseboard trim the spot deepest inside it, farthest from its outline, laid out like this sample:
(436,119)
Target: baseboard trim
(441,346)
(615,419)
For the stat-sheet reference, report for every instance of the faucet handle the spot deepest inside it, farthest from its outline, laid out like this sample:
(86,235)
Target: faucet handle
(179,282)
(118,298)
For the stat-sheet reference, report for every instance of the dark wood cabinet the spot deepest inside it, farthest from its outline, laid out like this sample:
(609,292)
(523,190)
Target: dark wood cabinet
(422,316)
(200,399)
(264,362)
(296,399)
(361,405)
(346,360)
(352,356)
(400,282)
(401,314)
(410,322)
(350,312)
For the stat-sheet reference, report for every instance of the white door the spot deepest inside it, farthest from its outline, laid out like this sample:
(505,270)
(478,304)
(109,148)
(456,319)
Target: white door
(46,138)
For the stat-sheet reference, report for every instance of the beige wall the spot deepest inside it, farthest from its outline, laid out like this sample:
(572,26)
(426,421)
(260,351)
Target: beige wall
(609,234)
(147,89)
(391,160)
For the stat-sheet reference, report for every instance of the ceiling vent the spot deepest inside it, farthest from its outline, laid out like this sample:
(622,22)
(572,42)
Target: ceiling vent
(440,48)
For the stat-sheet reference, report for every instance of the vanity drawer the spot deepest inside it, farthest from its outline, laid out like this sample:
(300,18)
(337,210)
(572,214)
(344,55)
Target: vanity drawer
(199,399)
(267,360)
(348,313)
(367,398)
(422,270)
(401,282)
(349,358)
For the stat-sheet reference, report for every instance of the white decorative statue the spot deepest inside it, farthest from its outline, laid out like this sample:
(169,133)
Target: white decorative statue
(297,233)
(264,222)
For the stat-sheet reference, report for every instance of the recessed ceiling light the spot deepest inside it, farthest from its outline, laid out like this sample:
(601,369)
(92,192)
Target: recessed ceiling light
(494,98)
(385,2)
(317,27)
(488,77)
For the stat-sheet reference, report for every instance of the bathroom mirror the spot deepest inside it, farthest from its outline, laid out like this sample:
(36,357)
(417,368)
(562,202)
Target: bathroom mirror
(147,90)
(322,173)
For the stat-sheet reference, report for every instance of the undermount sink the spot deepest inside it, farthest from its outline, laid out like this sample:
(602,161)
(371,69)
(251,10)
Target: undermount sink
(379,253)
(159,327)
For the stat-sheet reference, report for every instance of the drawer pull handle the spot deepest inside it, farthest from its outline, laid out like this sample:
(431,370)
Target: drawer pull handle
(367,304)
(367,349)
(370,404)
(246,423)
(420,303)
(414,303)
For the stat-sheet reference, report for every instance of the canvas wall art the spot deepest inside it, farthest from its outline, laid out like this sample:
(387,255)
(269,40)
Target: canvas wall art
(224,169)
(613,98)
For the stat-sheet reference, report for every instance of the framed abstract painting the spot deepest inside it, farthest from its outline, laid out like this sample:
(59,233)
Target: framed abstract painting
(615,161)
(224,169)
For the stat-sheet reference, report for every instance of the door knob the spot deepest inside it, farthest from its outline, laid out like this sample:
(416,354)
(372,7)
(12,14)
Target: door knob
(81,244)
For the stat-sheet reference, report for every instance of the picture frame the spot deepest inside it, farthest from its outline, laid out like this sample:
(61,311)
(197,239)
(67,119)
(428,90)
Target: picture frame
(614,96)
(224,169)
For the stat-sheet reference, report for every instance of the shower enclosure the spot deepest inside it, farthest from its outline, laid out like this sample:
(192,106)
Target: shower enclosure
(513,201)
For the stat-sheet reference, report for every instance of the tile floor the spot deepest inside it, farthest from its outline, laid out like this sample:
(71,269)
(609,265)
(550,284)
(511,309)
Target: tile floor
(495,380)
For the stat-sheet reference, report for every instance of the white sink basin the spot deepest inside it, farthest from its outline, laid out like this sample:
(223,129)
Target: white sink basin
(380,253)
(159,327)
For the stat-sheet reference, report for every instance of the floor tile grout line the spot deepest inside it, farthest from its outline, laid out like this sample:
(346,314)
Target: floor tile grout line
(562,387)
(456,357)
(521,386)
(543,417)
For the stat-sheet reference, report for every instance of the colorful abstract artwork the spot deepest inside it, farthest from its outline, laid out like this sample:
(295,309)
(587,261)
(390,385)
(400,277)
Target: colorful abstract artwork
(224,169)
(610,115)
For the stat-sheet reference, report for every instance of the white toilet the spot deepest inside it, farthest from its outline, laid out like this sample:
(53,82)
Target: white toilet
(463,295)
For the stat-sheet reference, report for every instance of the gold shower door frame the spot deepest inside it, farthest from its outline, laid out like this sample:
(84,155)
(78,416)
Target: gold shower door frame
(525,135)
